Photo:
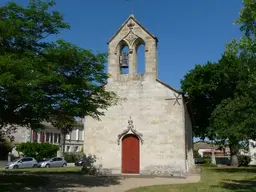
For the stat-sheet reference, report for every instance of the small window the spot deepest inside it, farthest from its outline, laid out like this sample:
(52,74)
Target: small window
(76,149)
(68,136)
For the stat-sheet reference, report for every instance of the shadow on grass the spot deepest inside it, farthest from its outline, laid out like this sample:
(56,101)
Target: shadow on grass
(235,170)
(53,183)
(238,185)
(40,171)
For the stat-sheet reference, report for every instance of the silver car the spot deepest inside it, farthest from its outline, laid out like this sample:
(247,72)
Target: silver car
(54,162)
(24,162)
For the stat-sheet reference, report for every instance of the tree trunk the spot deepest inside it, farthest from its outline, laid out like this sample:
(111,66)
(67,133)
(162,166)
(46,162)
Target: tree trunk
(62,144)
(233,154)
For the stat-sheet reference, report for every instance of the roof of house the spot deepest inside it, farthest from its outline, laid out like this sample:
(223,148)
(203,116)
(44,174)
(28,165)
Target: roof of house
(48,125)
(204,145)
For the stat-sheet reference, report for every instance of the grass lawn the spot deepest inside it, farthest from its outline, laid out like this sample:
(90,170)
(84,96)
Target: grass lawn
(214,180)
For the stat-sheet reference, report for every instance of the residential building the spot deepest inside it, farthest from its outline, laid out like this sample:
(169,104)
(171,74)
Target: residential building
(205,148)
(73,143)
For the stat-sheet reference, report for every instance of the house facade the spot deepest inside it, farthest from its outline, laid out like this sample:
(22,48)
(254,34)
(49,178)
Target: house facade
(73,143)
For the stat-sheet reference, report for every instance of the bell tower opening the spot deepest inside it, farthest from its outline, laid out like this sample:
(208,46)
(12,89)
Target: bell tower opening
(124,60)
(140,60)
(132,52)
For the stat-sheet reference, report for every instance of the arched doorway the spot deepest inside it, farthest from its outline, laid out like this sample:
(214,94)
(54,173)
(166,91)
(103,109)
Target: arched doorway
(131,154)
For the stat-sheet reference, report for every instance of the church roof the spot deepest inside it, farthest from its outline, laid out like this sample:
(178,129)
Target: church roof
(170,87)
(132,17)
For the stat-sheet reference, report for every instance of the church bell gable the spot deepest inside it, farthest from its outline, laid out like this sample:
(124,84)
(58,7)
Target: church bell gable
(131,35)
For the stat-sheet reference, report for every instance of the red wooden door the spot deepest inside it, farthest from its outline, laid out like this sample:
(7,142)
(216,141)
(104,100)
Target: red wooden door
(130,154)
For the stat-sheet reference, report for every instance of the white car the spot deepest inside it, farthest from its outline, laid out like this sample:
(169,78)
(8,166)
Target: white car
(24,162)
(54,162)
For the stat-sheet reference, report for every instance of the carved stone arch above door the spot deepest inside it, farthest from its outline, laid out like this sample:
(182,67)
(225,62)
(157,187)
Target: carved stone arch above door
(130,130)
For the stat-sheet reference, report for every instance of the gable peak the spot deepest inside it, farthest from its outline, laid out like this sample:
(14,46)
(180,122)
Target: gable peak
(130,22)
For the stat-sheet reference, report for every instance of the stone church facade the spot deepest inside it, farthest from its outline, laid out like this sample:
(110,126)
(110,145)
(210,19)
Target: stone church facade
(149,132)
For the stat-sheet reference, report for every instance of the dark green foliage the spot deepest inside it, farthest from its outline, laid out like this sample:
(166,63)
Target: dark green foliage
(38,150)
(196,154)
(243,160)
(247,17)
(22,66)
(222,94)
(72,157)
(38,78)
(207,160)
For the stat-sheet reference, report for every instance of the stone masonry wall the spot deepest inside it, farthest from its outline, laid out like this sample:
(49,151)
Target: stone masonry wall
(189,140)
(161,123)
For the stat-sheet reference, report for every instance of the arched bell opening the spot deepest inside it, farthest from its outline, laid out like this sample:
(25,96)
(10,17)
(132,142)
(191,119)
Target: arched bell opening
(123,57)
(139,55)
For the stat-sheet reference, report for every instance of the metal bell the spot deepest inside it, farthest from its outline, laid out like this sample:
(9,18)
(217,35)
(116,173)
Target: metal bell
(124,60)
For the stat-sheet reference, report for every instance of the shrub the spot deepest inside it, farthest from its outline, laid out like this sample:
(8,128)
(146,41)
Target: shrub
(72,157)
(196,154)
(243,160)
(38,150)
(207,160)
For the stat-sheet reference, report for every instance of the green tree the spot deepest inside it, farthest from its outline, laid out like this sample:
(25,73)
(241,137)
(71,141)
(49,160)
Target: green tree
(65,124)
(223,93)
(207,86)
(39,78)
(22,66)
(247,18)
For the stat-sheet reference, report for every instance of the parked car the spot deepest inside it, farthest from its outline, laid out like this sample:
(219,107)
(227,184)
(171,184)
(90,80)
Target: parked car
(24,162)
(54,162)
(41,161)
(79,163)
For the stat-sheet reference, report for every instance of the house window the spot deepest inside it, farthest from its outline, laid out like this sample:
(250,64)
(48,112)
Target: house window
(68,148)
(47,137)
(51,137)
(55,137)
(34,135)
(59,138)
(41,137)
(82,135)
(68,136)
(77,134)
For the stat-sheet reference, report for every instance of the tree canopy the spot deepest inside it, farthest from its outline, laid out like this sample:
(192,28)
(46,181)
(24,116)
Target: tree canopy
(223,94)
(38,77)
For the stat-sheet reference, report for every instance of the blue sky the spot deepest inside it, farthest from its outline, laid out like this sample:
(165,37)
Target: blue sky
(189,32)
